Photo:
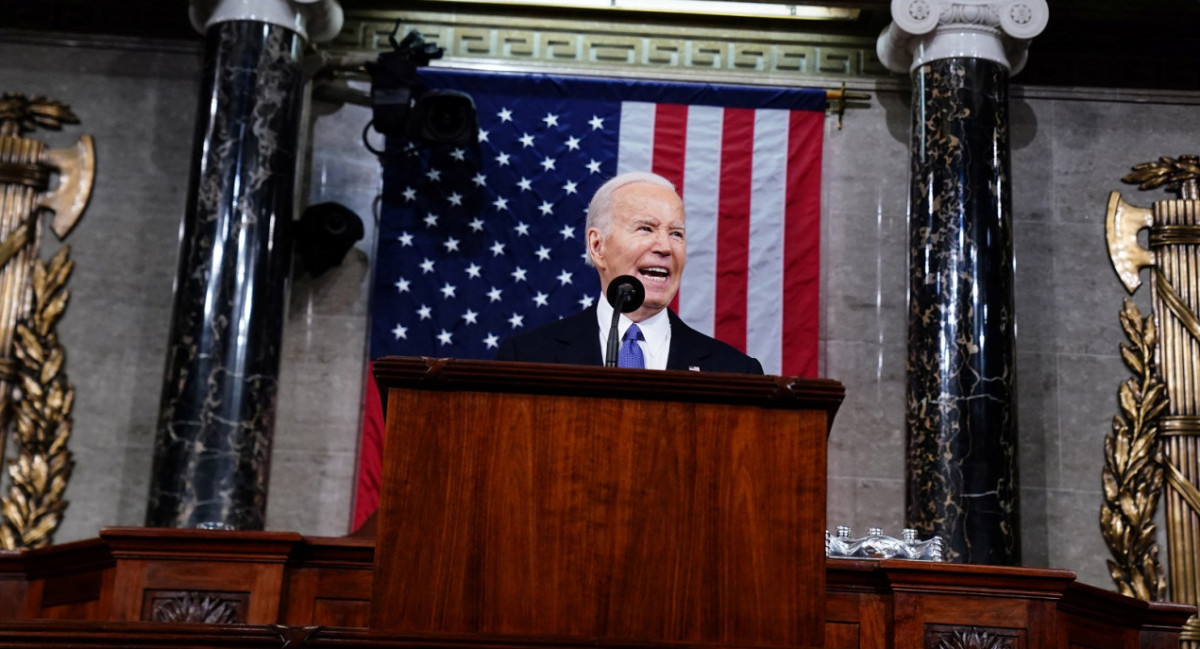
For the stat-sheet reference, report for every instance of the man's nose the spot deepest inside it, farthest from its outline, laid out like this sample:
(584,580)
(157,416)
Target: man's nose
(662,243)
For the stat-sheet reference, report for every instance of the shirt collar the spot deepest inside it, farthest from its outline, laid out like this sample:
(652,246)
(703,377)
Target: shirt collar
(656,329)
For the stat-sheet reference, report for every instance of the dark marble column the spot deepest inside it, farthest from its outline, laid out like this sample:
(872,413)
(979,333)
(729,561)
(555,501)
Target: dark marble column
(961,390)
(961,467)
(213,444)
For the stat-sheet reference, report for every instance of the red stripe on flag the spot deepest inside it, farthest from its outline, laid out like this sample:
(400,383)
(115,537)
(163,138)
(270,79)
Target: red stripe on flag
(370,452)
(802,244)
(733,226)
(670,142)
(670,145)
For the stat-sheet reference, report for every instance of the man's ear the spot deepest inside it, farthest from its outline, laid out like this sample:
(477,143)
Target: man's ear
(595,247)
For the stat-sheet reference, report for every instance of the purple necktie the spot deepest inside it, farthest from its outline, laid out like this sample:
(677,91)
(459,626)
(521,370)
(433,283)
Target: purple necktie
(630,353)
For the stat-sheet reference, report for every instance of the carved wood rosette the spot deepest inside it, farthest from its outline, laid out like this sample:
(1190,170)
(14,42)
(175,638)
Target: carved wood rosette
(1170,442)
(195,606)
(939,636)
(33,385)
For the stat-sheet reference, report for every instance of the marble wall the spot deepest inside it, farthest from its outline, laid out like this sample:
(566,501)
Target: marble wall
(1069,149)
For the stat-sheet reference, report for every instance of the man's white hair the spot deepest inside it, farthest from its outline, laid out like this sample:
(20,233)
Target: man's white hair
(599,212)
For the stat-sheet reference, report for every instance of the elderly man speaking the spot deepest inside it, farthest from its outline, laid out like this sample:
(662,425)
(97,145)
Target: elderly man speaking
(635,226)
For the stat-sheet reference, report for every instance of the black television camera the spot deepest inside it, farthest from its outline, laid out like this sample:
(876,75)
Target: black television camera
(401,107)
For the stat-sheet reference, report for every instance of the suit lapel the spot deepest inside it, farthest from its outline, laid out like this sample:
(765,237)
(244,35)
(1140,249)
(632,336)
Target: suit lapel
(688,347)
(577,341)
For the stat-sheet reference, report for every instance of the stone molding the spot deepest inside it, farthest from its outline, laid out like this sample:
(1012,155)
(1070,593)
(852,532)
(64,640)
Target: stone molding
(927,30)
(315,20)
(571,44)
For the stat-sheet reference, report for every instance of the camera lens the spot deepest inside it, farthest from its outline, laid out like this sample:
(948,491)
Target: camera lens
(444,116)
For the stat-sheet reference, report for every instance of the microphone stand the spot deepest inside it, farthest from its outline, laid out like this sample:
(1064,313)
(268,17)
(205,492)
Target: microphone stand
(623,293)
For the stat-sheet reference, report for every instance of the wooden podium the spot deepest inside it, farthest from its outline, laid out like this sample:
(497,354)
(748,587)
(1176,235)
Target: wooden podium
(547,501)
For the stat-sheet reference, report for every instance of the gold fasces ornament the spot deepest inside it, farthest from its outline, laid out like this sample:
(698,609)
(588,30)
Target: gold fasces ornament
(1157,445)
(34,390)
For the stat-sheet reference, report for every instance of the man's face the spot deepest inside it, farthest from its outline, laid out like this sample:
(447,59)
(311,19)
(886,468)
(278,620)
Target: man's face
(646,240)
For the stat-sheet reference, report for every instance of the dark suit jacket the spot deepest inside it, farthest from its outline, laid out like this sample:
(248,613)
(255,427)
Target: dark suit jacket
(575,341)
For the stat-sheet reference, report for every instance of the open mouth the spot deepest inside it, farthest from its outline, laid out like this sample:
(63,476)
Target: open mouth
(656,274)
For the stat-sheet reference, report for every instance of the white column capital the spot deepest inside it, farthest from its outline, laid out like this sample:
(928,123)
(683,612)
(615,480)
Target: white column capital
(314,20)
(927,30)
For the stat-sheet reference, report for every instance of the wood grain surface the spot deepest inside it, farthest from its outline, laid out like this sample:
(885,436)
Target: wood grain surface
(569,514)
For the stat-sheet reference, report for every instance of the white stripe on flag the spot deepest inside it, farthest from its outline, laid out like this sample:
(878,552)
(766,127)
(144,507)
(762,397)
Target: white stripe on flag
(768,192)
(701,191)
(635,146)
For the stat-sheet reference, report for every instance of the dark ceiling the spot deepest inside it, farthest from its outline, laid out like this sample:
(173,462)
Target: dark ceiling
(1097,43)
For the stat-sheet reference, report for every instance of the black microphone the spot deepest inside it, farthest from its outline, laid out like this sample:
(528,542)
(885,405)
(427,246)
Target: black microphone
(625,294)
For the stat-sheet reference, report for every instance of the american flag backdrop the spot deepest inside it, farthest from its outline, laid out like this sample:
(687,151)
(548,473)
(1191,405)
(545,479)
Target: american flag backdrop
(477,243)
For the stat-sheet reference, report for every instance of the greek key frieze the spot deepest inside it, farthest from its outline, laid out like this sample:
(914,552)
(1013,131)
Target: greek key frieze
(565,43)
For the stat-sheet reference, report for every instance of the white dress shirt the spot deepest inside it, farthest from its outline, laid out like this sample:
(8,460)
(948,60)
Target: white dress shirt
(656,331)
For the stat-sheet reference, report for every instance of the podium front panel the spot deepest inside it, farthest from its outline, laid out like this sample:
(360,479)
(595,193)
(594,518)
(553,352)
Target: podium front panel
(517,513)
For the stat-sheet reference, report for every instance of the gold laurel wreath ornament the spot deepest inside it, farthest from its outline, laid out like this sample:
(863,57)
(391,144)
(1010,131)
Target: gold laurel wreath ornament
(34,391)
(1133,474)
